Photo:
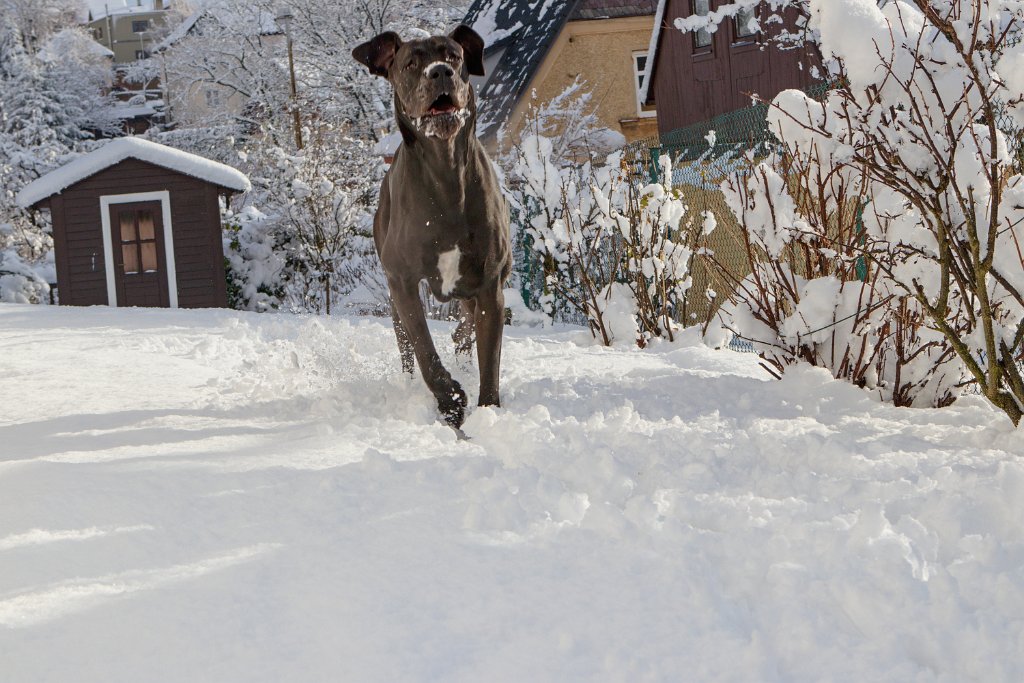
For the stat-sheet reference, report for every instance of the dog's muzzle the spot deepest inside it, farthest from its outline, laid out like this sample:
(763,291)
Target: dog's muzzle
(443,116)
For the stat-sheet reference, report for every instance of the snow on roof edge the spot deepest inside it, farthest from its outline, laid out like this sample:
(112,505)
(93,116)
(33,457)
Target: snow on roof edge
(652,50)
(180,31)
(120,149)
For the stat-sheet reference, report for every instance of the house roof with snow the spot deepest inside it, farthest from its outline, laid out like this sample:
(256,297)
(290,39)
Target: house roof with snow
(60,44)
(133,9)
(120,149)
(258,22)
(613,9)
(186,27)
(518,35)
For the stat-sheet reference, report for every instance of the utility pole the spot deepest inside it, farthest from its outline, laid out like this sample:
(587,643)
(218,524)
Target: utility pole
(284,20)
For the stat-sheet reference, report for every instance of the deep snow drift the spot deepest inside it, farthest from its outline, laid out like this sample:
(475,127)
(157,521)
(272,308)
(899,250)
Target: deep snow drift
(219,496)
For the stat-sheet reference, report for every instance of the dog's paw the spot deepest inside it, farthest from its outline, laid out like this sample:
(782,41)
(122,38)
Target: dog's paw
(452,405)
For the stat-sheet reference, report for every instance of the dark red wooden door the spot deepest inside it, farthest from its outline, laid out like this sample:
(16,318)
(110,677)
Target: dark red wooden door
(140,264)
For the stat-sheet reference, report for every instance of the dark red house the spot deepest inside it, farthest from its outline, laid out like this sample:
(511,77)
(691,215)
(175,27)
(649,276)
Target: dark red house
(694,75)
(136,223)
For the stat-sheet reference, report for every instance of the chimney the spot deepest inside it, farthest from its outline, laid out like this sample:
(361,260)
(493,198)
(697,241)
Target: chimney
(158,5)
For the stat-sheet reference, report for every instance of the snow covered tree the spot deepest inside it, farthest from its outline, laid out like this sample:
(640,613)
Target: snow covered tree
(236,45)
(34,21)
(314,207)
(51,101)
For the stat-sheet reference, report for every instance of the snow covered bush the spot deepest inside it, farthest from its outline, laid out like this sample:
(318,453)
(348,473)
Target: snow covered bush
(923,124)
(810,295)
(611,248)
(254,260)
(20,282)
(923,137)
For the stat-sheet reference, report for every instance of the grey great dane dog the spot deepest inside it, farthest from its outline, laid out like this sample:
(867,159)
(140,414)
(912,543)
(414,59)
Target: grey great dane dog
(442,217)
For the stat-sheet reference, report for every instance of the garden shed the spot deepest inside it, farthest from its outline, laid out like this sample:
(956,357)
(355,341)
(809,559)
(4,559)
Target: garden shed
(136,223)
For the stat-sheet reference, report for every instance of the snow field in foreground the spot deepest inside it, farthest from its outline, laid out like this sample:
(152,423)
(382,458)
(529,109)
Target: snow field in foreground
(221,496)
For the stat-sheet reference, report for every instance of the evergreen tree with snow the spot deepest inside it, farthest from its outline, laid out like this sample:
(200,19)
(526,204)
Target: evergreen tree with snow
(48,108)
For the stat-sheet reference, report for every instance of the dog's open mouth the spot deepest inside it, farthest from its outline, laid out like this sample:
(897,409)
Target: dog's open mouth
(442,105)
(443,118)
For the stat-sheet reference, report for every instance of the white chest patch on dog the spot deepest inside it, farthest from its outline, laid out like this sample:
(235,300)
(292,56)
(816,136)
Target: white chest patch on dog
(448,266)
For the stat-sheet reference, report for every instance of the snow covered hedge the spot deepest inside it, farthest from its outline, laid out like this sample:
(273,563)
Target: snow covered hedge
(611,248)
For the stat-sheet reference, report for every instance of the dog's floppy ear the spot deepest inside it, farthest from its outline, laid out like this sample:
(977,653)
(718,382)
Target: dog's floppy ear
(377,54)
(472,48)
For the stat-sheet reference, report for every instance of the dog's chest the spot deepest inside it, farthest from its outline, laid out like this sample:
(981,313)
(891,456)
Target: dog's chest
(448,269)
(454,270)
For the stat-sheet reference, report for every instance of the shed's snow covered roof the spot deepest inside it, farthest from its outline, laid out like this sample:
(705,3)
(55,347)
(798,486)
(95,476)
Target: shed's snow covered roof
(120,149)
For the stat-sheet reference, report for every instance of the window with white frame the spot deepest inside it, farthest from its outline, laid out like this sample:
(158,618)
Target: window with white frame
(140,26)
(639,67)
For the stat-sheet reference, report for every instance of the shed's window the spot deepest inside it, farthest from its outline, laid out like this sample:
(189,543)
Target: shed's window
(701,37)
(138,240)
(140,26)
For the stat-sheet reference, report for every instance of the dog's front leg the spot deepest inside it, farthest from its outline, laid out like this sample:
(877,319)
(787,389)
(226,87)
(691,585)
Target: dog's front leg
(451,399)
(490,321)
(405,349)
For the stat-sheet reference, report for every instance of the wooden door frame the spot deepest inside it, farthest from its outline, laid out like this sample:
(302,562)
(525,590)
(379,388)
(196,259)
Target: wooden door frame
(164,197)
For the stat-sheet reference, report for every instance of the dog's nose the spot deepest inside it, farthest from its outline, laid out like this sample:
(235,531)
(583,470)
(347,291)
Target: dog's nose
(440,70)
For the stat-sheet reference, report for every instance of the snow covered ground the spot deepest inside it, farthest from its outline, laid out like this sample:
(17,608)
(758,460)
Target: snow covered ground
(220,496)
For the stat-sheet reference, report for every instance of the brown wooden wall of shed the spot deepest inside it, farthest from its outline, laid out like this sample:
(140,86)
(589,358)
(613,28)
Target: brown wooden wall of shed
(195,220)
(690,88)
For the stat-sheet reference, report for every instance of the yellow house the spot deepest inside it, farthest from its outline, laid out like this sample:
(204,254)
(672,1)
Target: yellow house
(130,32)
(533,54)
